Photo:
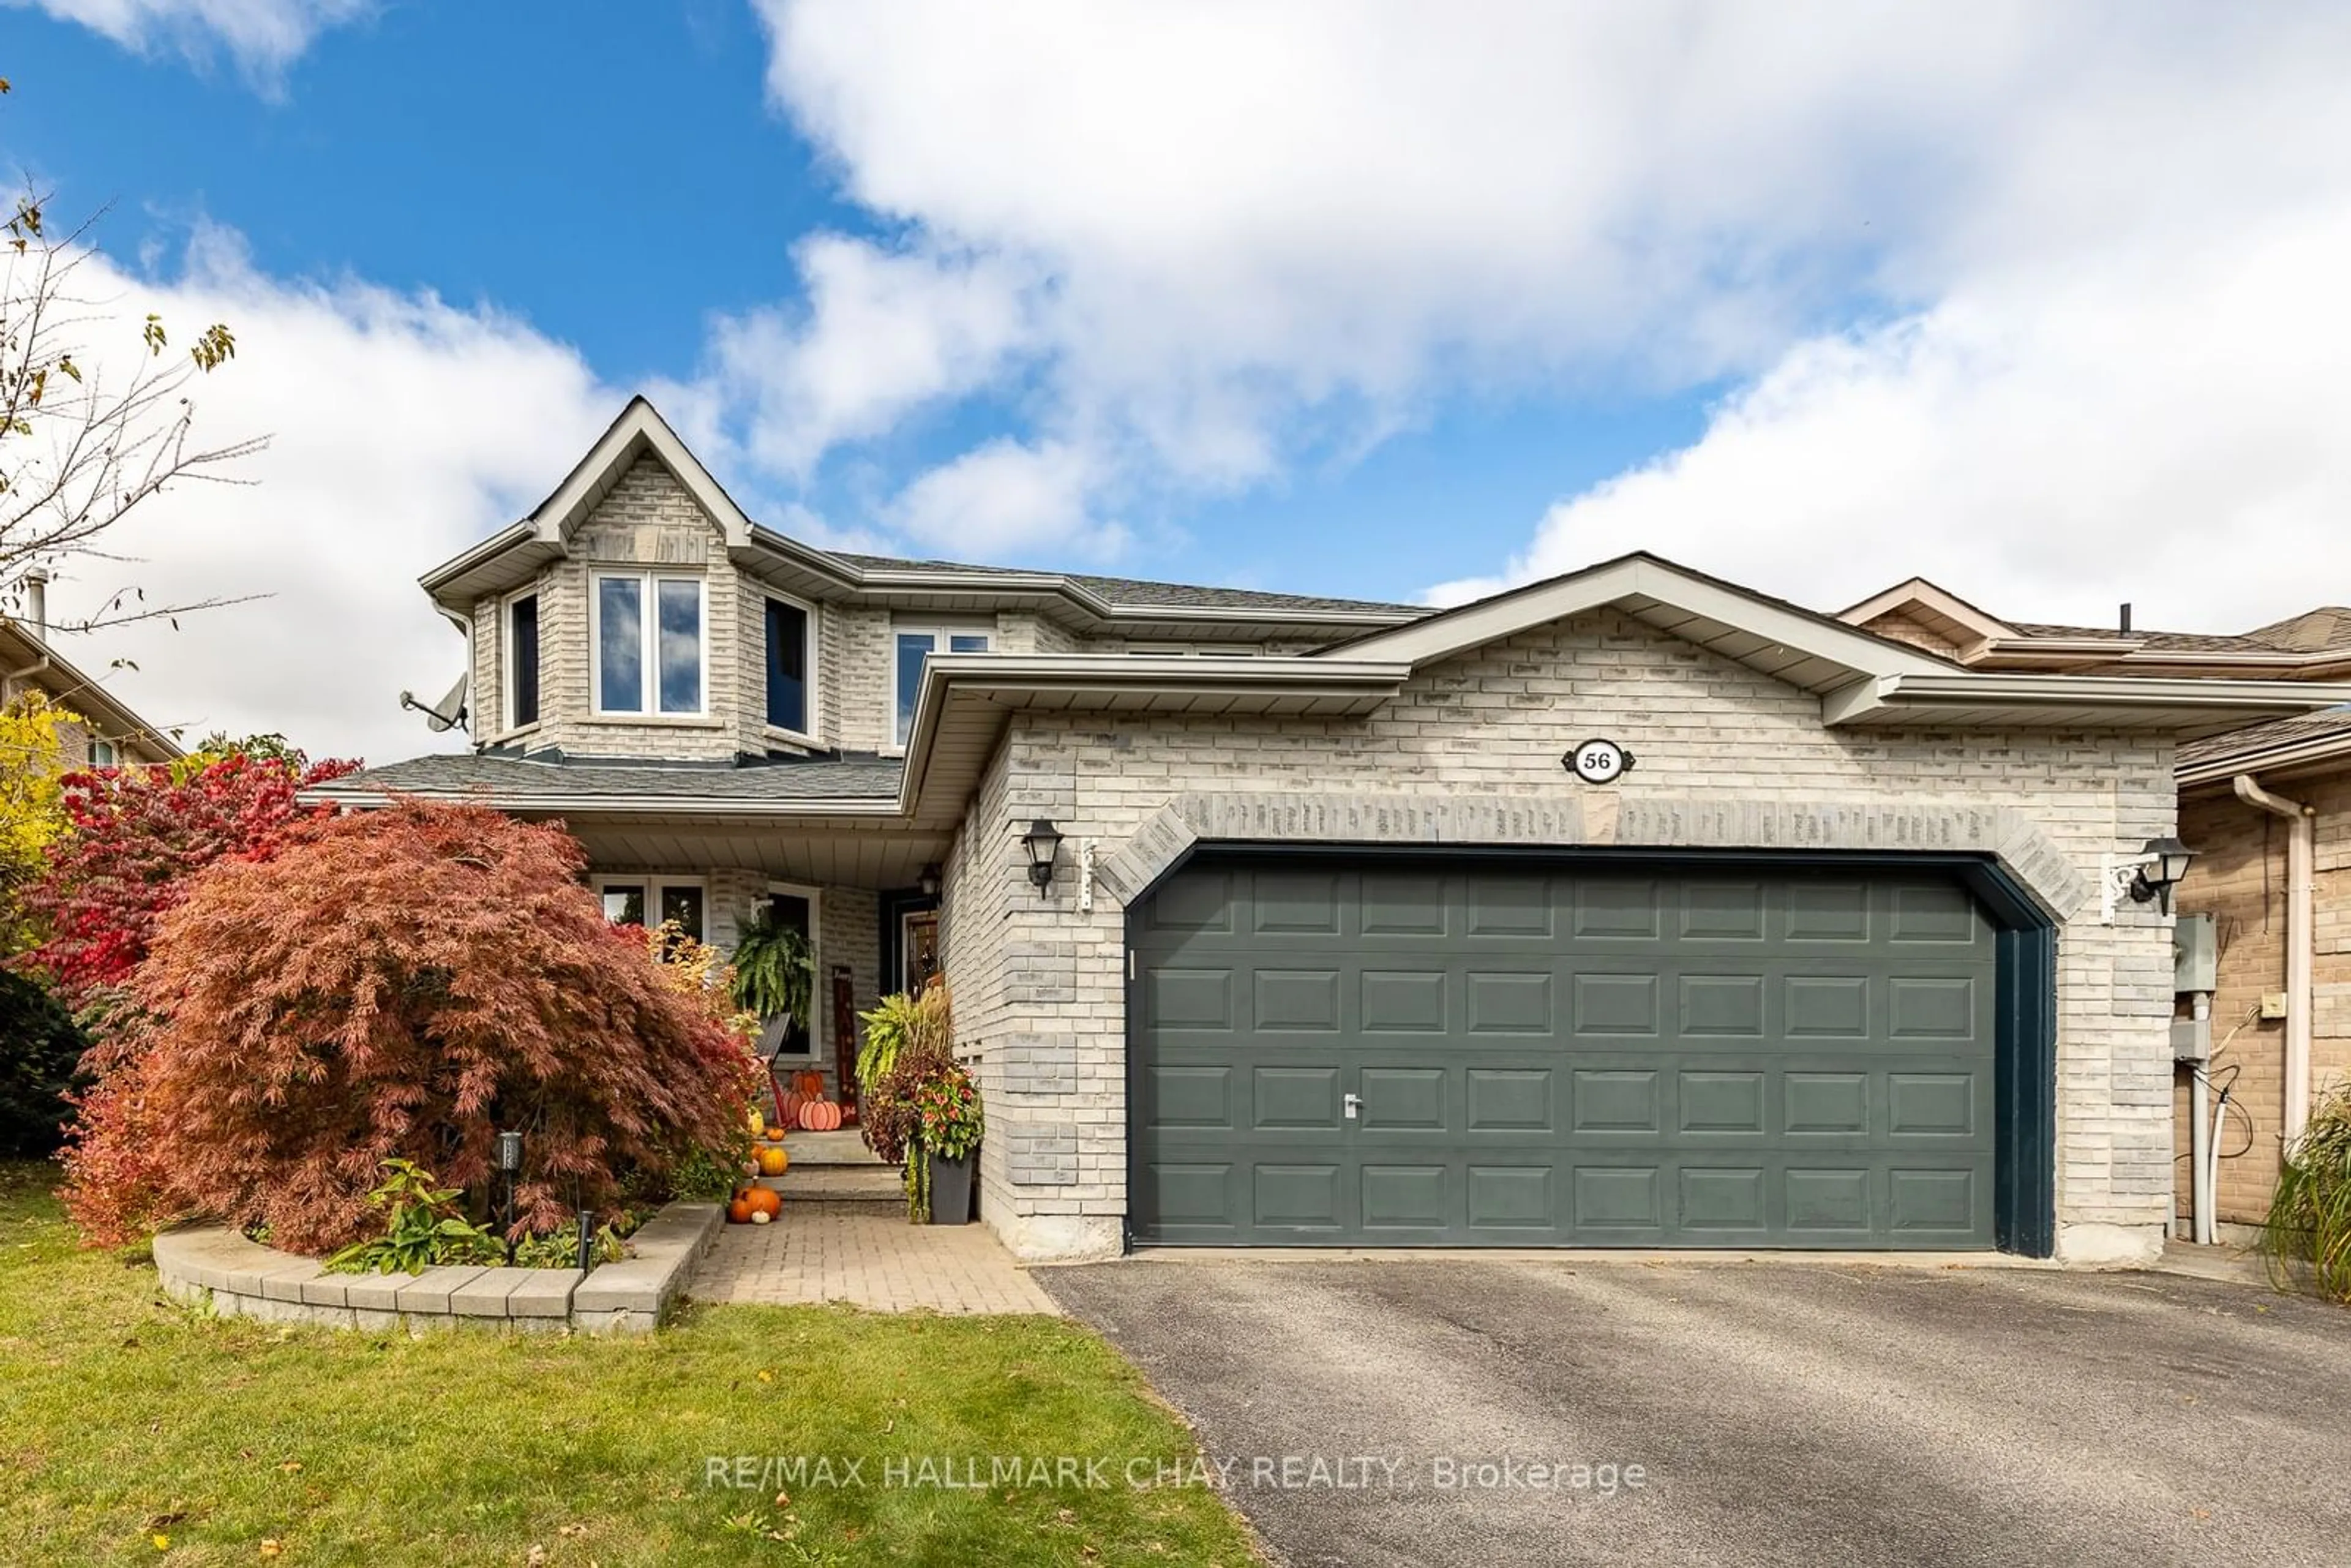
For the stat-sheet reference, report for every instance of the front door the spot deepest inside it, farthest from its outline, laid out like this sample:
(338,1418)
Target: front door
(918,947)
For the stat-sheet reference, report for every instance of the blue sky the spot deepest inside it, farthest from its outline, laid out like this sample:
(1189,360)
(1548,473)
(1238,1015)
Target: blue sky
(618,183)
(2039,300)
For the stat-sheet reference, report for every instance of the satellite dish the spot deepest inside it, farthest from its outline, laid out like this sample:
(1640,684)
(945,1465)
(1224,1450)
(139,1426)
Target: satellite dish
(447,715)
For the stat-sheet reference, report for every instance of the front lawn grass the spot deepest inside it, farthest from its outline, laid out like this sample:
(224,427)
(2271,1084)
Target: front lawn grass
(135,1428)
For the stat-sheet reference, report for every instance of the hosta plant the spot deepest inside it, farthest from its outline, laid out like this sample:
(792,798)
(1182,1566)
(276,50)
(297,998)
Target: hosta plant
(422,1228)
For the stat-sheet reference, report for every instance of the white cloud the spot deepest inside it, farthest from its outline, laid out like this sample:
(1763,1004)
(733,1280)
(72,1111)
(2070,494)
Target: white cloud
(1003,499)
(882,333)
(402,431)
(2056,280)
(2166,429)
(263,36)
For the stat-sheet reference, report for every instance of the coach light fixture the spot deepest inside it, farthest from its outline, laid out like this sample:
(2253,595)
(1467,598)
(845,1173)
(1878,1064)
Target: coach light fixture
(929,880)
(2166,864)
(1043,841)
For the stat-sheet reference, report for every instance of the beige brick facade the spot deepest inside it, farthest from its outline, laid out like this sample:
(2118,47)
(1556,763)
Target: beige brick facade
(1493,723)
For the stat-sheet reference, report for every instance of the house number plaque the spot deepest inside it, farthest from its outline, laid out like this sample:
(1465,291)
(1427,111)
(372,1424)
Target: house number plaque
(1599,761)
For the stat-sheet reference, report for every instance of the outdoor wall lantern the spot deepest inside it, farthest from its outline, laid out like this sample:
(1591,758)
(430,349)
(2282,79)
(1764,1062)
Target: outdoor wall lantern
(1043,843)
(929,880)
(2166,864)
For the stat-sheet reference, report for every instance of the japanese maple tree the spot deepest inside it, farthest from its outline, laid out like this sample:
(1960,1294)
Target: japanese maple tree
(406,983)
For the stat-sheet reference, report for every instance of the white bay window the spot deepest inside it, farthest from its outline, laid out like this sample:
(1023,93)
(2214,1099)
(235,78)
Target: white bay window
(650,641)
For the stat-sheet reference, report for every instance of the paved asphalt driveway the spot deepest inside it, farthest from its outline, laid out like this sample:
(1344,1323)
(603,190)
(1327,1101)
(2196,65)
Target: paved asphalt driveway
(1803,1414)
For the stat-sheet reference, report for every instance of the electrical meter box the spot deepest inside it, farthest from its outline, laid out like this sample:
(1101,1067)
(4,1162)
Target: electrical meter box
(2194,955)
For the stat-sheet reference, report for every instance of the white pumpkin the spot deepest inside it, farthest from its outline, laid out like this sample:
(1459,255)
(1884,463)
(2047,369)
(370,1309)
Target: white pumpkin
(760,1217)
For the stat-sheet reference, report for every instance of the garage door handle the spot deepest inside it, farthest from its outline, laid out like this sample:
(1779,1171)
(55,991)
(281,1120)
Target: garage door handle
(1355,1105)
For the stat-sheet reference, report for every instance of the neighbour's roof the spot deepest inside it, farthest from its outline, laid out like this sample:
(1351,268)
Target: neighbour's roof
(518,781)
(1141,592)
(2301,740)
(2181,641)
(23,647)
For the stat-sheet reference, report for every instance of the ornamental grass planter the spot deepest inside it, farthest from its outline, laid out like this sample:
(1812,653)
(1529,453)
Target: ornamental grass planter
(950,1188)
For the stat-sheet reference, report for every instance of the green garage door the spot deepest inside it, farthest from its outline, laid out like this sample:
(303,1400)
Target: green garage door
(1463,1052)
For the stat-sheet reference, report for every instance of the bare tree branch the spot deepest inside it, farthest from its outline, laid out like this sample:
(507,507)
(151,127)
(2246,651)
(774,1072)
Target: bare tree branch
(86,439)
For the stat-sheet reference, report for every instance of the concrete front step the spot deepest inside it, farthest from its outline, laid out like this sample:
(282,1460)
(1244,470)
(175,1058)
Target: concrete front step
(871,1183)
(845,1147)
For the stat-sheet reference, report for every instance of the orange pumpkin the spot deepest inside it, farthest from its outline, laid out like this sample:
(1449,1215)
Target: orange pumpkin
(764,1200)
(739,1212)
(809,1085)
(819,1117)
(788,1110)
(773,1161)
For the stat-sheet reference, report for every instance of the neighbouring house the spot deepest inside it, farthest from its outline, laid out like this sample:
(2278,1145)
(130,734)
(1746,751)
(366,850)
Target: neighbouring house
(107,733)
(1628,907)
(2267,810)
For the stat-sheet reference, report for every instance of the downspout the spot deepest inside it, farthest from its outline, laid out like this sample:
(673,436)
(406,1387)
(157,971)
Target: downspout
(2301,866)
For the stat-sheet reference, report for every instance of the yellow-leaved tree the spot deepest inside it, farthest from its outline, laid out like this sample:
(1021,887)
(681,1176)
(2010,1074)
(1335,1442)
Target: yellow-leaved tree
(32,806)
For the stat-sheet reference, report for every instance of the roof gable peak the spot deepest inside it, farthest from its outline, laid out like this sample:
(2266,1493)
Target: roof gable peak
(638,435)
(1782,640)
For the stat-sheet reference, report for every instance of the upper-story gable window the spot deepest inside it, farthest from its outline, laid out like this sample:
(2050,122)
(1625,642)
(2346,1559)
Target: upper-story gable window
(649,637)
(522,660)
(790,657)
(914,644)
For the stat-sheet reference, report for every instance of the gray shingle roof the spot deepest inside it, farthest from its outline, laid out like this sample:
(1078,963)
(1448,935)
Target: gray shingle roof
(2300,729)
(1141,592)
(516,778)
(2180,641)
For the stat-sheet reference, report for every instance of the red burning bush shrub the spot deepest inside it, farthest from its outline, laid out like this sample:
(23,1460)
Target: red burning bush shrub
(137,834)
(405,982)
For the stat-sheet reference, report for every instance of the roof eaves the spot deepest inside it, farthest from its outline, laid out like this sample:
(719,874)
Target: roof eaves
(82,695)
(1975,688)
(1029,674)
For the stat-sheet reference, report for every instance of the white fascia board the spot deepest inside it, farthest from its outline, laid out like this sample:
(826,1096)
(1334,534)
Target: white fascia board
(1291,615)
(1868,699)
(497,544)
(632,805)
(1025,675)
(1505,614)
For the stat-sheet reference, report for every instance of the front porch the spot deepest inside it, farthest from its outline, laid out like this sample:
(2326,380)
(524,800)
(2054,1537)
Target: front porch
(843,1236)
(859,897)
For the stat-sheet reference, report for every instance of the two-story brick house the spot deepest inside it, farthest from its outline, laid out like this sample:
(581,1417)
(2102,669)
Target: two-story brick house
(1349,937)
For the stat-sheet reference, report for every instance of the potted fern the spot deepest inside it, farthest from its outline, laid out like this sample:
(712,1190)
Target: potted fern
(775,976)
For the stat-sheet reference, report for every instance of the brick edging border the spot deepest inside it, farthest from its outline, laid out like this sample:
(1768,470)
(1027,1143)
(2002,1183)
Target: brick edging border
(236,1277)
(1604,819)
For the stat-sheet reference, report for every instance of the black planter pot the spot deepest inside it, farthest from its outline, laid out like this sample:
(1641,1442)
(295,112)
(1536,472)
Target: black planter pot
(951,1188)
